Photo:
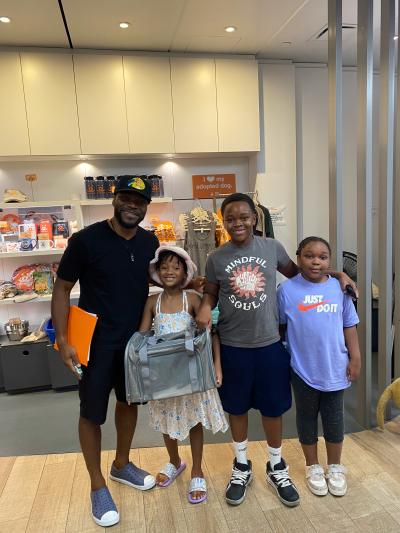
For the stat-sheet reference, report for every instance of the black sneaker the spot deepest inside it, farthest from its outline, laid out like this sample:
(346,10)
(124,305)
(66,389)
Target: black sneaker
(285,488)
(241,477)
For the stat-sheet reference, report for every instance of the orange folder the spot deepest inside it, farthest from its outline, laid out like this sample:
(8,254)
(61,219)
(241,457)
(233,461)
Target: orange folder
(80,331)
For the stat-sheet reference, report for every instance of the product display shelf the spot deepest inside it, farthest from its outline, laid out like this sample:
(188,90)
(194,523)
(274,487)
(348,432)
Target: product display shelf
(29,205)
(44,298)
(32,253)
(107,201)
(47,297)
(4,341)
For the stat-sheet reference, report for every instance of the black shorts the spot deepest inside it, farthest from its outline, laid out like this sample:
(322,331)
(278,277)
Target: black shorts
(104,372)
(257,378)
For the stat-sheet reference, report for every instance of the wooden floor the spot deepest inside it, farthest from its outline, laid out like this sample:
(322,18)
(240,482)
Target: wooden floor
(49,494)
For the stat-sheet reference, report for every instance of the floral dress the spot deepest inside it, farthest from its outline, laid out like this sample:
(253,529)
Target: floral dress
(176,416)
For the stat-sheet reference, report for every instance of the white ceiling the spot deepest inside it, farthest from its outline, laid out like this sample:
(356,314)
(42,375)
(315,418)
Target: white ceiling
(264,27)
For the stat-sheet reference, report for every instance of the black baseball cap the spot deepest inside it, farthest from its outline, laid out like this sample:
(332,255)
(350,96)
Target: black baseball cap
(138,184)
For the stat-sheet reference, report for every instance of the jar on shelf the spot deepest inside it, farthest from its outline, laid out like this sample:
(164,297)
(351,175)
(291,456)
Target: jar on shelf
(155,185)
(109,186)
(100,187)
(90,187)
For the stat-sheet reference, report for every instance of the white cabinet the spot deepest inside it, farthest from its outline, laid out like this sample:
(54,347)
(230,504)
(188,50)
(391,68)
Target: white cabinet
(50,103)
(14,138)
(238,105)
(149,104)
(194,104)
(101,104)
(56,104)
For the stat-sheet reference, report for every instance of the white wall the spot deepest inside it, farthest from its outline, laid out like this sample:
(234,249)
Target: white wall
(276,165)
(312,137)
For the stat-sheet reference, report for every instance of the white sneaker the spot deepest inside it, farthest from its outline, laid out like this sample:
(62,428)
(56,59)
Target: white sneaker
(336,476)
(316,481)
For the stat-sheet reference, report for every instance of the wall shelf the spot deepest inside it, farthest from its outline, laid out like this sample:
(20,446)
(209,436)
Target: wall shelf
(47,297)
(164,200)
(43,298)
(33,253)
(28,205)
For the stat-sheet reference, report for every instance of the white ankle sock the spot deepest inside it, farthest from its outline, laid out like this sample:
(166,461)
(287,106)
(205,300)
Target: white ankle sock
(275,455)
(241,451)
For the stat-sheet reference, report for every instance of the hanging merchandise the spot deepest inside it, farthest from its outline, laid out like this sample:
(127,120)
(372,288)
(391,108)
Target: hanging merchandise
(200,236)
(264,227)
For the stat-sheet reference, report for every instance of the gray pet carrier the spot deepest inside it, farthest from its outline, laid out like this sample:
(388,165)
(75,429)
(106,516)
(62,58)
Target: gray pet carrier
(168,366)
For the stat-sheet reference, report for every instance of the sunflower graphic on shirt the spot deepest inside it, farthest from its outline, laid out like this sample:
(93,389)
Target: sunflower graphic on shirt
(247,281)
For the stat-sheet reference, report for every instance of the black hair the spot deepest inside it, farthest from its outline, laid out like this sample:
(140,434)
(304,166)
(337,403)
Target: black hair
(307,240)
(168,255)
(238,197)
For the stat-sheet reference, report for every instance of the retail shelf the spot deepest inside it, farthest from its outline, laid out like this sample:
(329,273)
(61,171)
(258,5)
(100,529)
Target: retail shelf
(28,205)
(164,200)
(44,298)
(47,297)
(33,253)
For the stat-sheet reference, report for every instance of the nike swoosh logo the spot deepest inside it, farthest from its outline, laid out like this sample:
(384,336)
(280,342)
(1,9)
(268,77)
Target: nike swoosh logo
(302,307)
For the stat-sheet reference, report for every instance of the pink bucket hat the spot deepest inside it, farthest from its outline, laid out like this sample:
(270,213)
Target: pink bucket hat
(191,267)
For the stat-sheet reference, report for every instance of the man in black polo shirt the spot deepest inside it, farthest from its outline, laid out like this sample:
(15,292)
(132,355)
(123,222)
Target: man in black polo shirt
(110,259)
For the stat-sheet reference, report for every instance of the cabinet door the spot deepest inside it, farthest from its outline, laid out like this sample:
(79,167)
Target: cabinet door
(50,103)
(238,105)
(14,138)
(149,104)
(194,100)
(101,104)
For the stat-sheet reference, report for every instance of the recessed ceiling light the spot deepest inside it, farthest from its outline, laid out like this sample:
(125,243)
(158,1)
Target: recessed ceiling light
(287,43)
(6,20)
(230,29)
(124,25)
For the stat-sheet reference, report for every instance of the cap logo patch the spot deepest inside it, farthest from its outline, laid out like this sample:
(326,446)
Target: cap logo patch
(137,183)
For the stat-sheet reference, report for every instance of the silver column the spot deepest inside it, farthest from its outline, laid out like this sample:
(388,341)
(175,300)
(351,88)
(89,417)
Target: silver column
(396,239)
(364,203)
(386,144)
(335,130)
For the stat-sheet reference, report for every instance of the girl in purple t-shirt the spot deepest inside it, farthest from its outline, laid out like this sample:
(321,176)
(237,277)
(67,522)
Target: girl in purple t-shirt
(320,323)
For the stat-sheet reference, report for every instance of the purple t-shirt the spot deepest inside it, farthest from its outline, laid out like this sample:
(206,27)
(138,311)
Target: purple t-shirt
(315,315)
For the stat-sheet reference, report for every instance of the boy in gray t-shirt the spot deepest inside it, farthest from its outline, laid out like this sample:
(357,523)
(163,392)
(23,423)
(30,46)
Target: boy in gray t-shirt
(241,276)
(246,276)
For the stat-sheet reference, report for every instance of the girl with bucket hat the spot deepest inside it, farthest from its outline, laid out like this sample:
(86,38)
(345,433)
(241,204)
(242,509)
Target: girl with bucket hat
(173,310)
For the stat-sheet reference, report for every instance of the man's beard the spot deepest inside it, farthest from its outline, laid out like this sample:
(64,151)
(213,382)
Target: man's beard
(128,225)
